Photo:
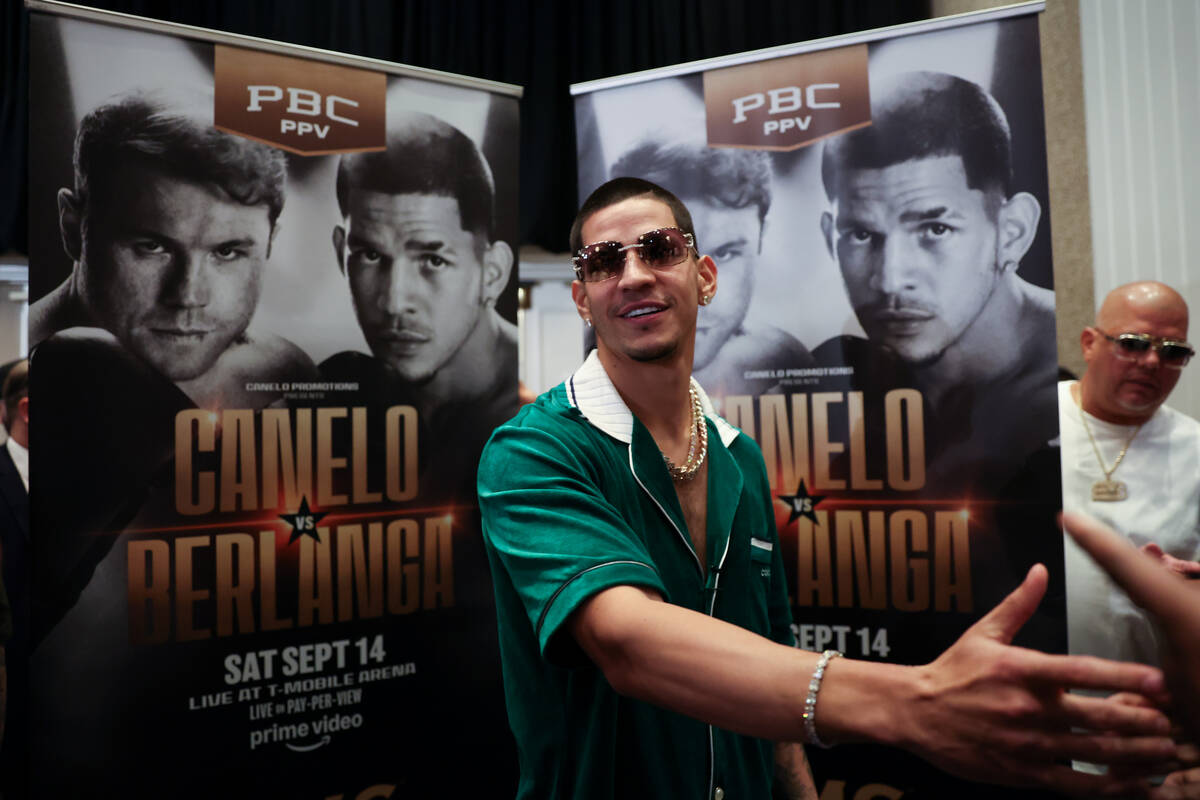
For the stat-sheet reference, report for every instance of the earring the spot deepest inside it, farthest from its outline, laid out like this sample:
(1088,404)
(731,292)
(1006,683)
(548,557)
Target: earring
(587,321)
(704,299)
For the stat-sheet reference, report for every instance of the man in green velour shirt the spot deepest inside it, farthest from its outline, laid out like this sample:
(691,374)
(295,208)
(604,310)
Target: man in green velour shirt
(596,508)
(644,630)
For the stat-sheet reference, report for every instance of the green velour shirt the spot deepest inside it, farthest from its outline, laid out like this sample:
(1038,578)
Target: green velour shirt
(576,499)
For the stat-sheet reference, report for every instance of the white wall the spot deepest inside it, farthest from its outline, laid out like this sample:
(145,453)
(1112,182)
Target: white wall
(551,330)
(1141,77)
(14,307)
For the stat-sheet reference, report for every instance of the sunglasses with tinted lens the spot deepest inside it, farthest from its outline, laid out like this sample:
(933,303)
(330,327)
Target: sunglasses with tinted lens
(1132,346)
(659,249)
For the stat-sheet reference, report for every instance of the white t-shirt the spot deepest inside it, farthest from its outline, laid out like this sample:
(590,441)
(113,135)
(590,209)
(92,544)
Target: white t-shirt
(1162,472)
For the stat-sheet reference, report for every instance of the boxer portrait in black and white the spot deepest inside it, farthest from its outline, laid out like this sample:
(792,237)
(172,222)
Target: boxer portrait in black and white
(418,247)
(928,231)
(169,225)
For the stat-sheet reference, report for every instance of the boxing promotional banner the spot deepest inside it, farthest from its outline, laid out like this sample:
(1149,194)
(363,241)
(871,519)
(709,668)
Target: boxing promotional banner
(883,325)
(273,318)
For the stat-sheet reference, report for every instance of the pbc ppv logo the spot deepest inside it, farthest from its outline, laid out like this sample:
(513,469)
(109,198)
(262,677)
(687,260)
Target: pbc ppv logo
(790,102)
(786,100)
(304,103)
(306,107)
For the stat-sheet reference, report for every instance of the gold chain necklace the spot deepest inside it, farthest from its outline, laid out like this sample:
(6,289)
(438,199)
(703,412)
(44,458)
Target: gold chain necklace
(1108,490)
(699,433)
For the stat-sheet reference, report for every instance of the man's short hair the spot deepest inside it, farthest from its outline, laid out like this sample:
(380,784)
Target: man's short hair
(16,386)
(916,115)
(425,155)
(723,176)
(142,129)
(620,189)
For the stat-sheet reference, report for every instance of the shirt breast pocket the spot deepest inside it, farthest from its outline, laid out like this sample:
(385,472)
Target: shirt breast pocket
(761,553)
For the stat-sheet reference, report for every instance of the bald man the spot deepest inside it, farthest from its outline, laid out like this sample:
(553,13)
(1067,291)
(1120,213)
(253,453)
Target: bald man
(1130,461)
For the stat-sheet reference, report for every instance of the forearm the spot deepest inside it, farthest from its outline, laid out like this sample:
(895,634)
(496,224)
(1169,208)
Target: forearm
(983,710)
(699,666)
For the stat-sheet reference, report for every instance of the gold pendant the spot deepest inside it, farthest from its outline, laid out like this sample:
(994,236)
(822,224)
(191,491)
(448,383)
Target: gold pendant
(1109,491)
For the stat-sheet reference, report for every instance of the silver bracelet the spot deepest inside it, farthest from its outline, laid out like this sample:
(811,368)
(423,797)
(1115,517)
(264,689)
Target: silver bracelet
(810,702)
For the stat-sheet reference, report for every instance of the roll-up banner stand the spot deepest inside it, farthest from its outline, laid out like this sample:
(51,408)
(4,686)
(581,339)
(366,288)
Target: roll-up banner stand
(272,307)
(883,326)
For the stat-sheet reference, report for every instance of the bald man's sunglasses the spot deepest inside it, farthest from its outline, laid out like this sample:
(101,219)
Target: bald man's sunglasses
(659,249)
(1132,346)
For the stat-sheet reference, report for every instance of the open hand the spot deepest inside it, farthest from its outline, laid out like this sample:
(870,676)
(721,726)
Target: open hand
(986,710)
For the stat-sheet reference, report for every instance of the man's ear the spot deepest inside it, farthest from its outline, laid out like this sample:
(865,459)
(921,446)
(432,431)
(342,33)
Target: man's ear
(339,241)
(1017,223)
(706,269)
(497,266)
(70,223)
(23,409)
(827,230)
(1089,340)
(582,304)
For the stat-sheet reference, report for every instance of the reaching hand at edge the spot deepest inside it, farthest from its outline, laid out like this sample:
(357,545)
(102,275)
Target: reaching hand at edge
(1172,599)
(986,710)
(1180,566)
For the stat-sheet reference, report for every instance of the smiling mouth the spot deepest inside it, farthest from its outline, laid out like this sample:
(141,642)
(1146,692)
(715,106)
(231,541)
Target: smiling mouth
(641,311)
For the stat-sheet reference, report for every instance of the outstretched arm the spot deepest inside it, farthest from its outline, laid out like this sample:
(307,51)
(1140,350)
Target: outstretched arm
(984,710)
(1172,599)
